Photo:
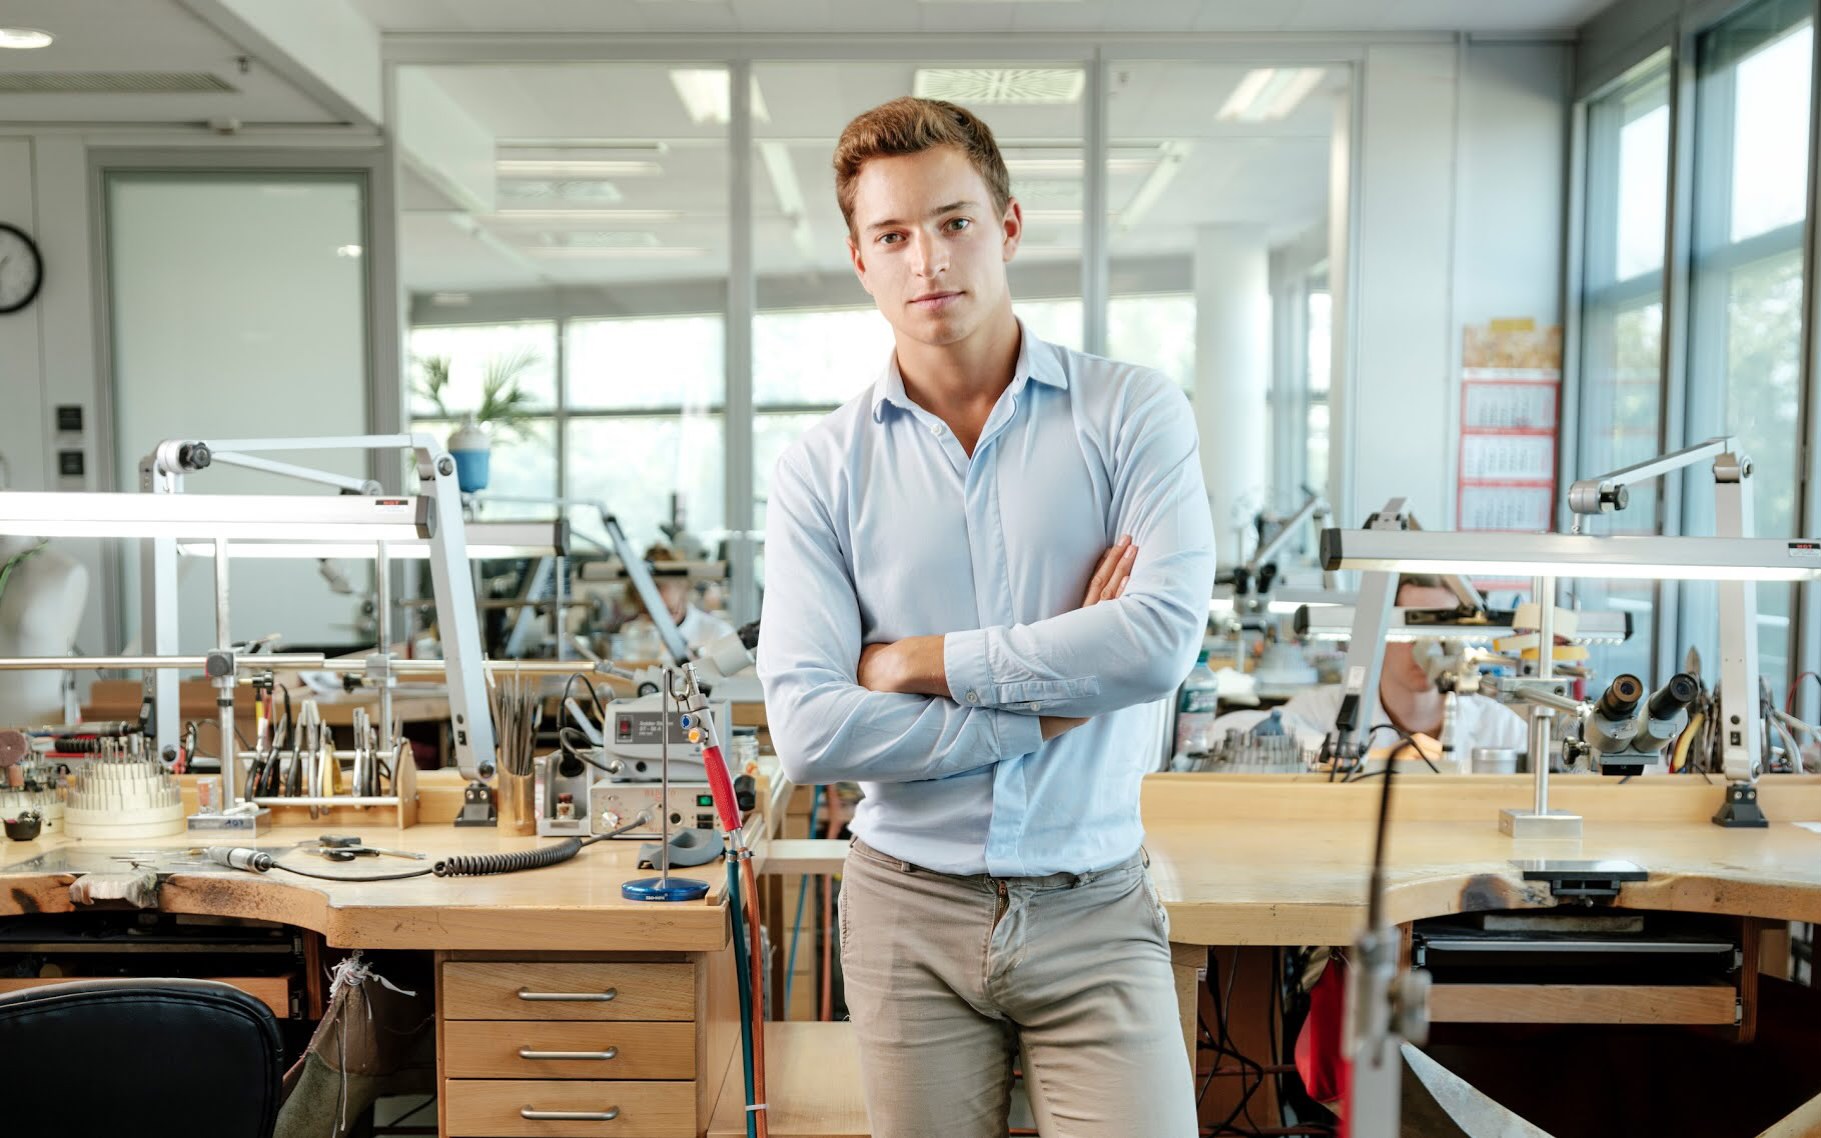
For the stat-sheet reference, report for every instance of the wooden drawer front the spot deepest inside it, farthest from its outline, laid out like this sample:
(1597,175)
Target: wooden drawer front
(272,991)
(496,1107)
(475,1049)
(599,991)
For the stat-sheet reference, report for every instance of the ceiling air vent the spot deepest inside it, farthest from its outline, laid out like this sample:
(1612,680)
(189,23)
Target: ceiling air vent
(1001,85)
(111,83)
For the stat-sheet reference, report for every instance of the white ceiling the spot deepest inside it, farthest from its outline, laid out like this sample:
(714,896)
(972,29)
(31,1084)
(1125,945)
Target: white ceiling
(1271,176)
(864,16)
(142,35)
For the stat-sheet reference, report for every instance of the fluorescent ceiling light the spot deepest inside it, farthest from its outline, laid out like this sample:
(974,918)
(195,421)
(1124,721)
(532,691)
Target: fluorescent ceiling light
(707,95)
(1269,93)
(32,513)
(1071,167)
(612,253)
(1001,86)
(579,191)
(1582,556)
(1169,164)
(570,147)
(25,39)
(604,239)
(576,168)
(789,191)
(589,216)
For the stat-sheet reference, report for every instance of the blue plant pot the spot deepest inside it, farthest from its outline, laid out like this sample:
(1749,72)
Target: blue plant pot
(472,449)
(472,469)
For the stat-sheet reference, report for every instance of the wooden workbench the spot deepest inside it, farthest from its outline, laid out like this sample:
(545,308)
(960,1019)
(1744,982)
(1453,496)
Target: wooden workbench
(1239,860)
(673,1025)
(1282,860)
(1279,860)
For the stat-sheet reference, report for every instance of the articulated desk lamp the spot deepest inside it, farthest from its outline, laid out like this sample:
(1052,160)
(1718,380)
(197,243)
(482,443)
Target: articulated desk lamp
(1384,1009)
(1733,558)
(1247,590)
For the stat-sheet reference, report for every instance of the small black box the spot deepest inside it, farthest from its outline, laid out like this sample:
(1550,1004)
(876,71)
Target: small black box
(69,417)
(69,463)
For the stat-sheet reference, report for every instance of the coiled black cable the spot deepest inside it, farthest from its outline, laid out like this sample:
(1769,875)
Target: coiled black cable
(482,865)
(485,865)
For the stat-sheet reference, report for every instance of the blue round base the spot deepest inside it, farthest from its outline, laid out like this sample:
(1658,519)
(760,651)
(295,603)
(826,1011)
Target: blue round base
(657,889)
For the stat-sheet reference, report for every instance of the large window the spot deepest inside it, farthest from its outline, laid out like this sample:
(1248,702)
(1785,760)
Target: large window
(1318,363)
(1703,181)
(1745,310)
(453,369)
(1622,320)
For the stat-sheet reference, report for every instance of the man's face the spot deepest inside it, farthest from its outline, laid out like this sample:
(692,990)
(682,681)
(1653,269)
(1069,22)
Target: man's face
(928,244)
(675,592)
(1401,668)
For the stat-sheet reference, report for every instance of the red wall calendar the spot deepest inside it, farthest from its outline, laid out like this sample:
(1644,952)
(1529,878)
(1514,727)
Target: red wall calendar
(1511,386)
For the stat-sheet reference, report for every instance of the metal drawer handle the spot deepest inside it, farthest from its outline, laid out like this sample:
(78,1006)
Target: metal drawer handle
(585,997)
(527,1053)
(607,1115)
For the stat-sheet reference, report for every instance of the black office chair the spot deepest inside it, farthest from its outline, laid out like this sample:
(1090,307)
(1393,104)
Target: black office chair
(151,1058)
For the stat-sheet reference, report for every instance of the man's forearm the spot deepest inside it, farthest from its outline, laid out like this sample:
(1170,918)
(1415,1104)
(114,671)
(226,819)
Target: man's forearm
(912,666)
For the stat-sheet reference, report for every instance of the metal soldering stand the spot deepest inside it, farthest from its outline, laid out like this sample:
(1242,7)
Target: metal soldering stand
(663,887)
(1540,821)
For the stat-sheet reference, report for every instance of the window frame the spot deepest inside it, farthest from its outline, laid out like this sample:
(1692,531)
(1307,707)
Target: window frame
(1687,309)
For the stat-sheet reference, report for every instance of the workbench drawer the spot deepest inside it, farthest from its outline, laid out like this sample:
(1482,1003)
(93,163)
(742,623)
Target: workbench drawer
(535,1049)
(605,990)
(497,1108)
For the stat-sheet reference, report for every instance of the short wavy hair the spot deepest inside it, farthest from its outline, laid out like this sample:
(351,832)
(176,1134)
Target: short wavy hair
(911,126)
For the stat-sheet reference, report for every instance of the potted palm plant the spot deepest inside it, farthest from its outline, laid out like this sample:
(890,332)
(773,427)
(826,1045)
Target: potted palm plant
(504,411)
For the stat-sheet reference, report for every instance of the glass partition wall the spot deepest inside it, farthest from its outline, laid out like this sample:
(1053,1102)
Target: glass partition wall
(670,287)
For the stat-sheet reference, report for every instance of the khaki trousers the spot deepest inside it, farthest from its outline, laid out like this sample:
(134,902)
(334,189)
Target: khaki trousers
(949,977)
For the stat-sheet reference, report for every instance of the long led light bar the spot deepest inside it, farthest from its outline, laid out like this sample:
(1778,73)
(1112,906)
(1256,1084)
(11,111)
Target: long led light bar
(250,517)
(1336,623)
(484,540)
(1583,556)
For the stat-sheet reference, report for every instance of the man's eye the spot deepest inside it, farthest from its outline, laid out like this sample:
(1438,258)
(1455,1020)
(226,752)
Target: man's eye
(890,238)
(960,223)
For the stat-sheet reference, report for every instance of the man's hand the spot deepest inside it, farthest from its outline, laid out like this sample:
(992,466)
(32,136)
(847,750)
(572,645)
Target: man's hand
(1054,725)
(1111,575)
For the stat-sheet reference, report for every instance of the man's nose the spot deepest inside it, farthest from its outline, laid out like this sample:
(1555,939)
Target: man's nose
(928,257)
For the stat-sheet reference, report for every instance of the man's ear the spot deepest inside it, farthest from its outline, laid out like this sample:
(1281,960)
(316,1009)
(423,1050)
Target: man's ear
(859,264)
(1013,226)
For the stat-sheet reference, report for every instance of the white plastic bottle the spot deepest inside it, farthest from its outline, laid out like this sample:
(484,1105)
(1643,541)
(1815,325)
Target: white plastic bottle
(1197,704)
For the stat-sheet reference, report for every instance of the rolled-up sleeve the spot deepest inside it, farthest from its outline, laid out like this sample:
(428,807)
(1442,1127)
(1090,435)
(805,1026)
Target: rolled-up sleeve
(1138,647)
(824,725)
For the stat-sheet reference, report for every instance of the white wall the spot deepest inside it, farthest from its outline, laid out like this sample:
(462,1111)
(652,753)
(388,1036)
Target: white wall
(238,312)
(1459,217)
(47,351)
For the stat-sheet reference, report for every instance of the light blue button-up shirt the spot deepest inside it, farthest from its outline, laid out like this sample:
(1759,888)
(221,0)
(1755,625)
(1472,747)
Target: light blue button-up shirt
(881,527)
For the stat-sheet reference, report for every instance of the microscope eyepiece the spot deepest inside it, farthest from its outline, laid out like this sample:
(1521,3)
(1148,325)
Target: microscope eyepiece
(1621,697)
(1673,696)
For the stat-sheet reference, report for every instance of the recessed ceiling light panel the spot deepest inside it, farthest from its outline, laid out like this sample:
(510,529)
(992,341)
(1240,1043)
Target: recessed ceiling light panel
(25,39)
(1001,86)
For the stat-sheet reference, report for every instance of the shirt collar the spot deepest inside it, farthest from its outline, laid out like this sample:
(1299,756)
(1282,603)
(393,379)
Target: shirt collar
(1036,360)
